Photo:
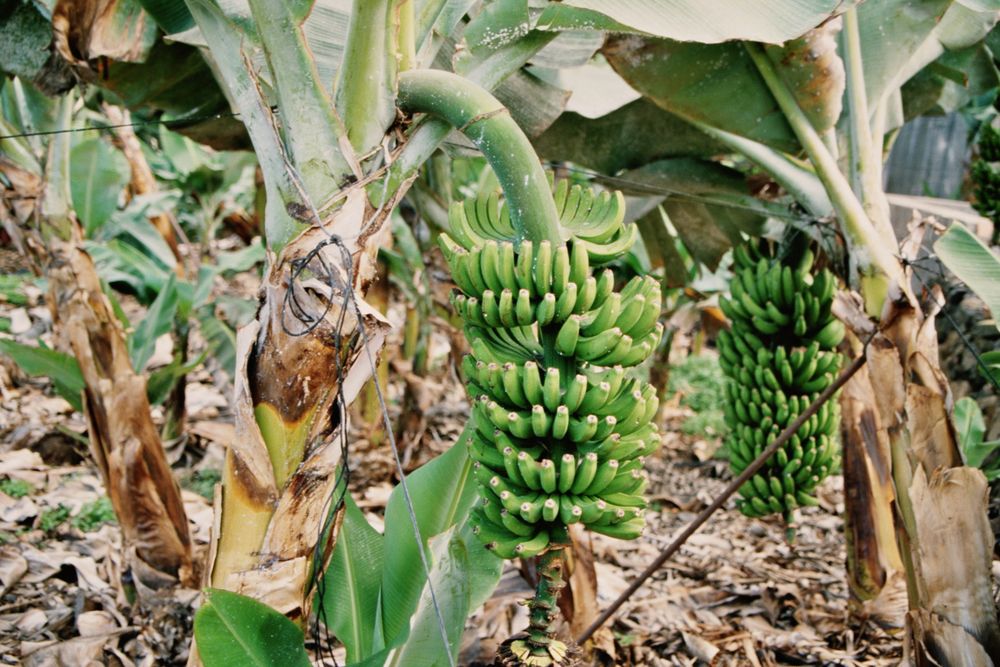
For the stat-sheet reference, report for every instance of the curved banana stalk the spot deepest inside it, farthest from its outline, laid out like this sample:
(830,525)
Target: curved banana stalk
(557,431)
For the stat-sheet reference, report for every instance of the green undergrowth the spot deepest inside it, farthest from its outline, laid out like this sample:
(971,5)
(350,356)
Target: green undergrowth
(91,517)
(94,514)
(52,518)
(203,482)
(699,381)
(15,488)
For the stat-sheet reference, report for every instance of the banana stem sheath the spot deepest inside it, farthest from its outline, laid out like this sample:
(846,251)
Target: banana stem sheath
(487,123)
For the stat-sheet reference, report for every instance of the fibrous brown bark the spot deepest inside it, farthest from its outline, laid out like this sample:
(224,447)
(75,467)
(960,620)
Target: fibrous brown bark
(938,504)
(123,439)
(875,569)
(281,470)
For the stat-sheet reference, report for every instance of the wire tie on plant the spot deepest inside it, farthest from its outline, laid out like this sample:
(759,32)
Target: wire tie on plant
(350,298)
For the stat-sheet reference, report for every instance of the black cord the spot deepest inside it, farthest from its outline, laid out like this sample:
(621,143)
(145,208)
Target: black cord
(97,128)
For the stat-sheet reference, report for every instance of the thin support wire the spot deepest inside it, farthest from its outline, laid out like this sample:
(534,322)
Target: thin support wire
(97,128)
(983,366)
(720,500)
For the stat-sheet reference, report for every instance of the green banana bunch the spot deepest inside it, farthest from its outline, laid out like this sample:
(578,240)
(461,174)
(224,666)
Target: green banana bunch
(559,429)
(778,355)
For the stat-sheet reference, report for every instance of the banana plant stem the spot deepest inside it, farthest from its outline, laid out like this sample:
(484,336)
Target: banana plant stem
(721,499)
(876,261)
(865,155)
(487,123)
(544,607)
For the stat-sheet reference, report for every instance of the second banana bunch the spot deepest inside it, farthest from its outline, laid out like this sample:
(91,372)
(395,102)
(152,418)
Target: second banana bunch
(778,355)
(559,429)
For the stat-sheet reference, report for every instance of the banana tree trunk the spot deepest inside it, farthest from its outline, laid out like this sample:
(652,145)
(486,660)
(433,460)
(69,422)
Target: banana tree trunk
(875,573)
(941,504)
(293,385)
(124,440)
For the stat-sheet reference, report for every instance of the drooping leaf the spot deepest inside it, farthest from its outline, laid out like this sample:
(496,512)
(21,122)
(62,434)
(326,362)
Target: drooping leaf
(98,175)
(949,82)
(352,584)
(629,137)
(901,37)
(699,82)
(813,70)
(233,629)
(442,493)
(969,259)
(661,247)
(61,368)
(133,226)
(183,154)
(240,260)
(704,21)
(221,340)
(708,204)
(171,15)
(162,380)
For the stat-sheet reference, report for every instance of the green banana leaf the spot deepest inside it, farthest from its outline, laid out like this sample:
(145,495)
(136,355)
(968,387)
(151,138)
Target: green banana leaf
(694,20)
(376,597)
(61,368)
(629,137)
(98,176)
(233,629)
(969,259)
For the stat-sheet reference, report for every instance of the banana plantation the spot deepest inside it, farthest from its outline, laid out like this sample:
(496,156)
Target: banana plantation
(428,333)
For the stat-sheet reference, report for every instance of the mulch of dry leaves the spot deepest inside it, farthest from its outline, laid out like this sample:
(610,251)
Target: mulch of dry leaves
(736,594)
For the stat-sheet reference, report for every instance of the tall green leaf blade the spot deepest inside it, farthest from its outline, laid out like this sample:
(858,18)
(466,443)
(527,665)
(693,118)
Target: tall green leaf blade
(463,575)
(442,492)
(352,583)
(221,340)
(307,116)
(704,21)
(98,175)
(969,259)
(159,320)
(233,629)
(61,368)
